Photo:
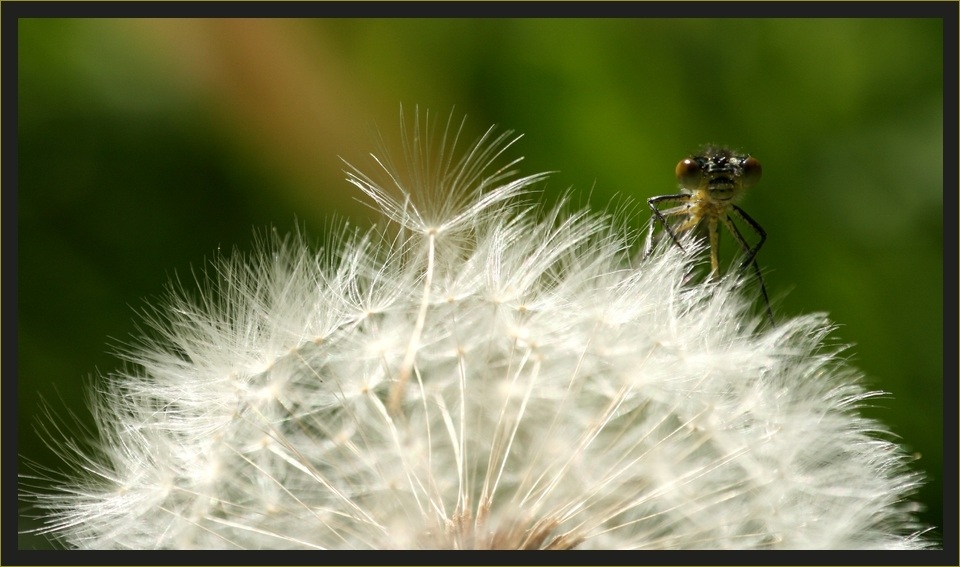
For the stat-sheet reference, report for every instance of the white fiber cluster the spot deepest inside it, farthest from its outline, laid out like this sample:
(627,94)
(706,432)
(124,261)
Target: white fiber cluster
(480,373)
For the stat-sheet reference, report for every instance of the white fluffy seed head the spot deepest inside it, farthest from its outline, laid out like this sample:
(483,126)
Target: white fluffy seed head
(493,377)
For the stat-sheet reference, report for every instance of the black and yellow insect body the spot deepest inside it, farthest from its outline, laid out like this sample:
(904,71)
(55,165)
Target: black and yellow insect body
(711,183)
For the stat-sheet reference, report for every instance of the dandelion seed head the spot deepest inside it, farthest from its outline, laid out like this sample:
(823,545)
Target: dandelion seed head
(484,373)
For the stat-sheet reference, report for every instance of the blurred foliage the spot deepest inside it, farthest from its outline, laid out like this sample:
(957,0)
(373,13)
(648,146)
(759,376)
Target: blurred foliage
(148,145)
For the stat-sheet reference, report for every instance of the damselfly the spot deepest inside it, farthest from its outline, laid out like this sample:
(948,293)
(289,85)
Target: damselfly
(711,183)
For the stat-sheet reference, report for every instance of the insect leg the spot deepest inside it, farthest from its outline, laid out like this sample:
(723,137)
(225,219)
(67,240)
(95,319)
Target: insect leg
(661,216)
(751,254)
(714,246)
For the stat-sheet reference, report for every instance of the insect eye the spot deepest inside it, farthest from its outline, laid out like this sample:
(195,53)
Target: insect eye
(688,174)
(751,171)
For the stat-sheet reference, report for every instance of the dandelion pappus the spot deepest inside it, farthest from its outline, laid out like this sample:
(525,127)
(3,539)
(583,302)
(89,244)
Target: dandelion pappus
(711,183)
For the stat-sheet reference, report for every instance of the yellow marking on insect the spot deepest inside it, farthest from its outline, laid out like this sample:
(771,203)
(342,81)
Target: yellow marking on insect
(711,183)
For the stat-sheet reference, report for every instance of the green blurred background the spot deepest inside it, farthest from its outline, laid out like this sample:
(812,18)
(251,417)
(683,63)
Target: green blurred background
(147,145)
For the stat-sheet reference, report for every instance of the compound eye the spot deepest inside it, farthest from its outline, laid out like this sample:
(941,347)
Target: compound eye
(750,171)
(689,174)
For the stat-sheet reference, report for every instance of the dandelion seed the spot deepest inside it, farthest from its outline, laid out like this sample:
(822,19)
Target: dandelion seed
(493,377)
